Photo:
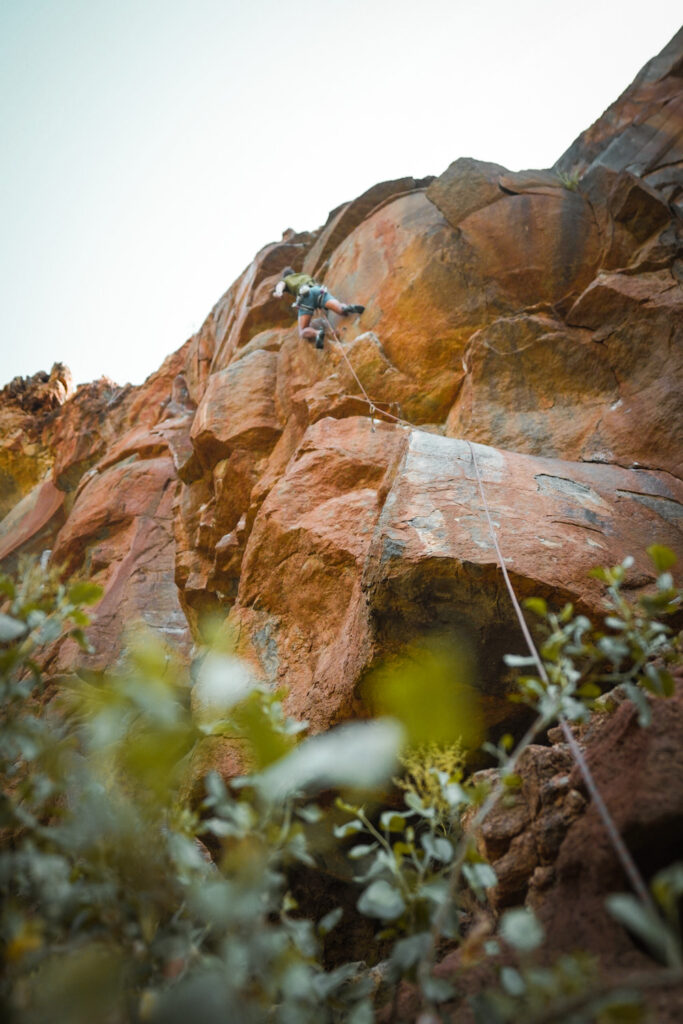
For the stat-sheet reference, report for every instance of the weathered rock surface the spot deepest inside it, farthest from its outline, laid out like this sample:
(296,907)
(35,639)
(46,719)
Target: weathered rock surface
(370,539)
(30,526)
(538,313)
(550,848)
(27,408)
(629,764)
(642,130)
(110,459)
(347,217)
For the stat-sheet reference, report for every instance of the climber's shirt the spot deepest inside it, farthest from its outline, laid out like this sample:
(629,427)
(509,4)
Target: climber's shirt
(294,283)
(309,295)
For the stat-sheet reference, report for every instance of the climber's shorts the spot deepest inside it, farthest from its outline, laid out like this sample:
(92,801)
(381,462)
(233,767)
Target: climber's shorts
(315,298)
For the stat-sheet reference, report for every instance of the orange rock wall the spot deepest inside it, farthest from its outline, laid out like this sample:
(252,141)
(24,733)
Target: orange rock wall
(537,313)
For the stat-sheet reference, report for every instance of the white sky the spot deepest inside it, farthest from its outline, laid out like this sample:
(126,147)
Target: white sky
(150,147)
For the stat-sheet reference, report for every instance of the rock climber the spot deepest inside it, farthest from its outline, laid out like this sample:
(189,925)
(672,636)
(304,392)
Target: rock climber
(310,296)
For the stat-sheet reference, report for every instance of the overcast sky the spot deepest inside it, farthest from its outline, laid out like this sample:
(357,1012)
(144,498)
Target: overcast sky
(151,147)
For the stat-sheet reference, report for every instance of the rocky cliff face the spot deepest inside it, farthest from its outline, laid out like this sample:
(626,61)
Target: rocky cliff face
(537,314)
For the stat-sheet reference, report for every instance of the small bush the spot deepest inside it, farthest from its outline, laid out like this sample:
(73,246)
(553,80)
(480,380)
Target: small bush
(114,910)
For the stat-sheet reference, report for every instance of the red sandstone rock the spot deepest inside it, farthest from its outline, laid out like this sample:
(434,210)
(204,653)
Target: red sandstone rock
(539,248)
(114,453)
(638,319)
(32,524)
(535,311)
(369,539)
(237,408)
(28,409)
(346,218)
(119,534)
(88,424)
(42,392)
(534,385)
(643,129)
(300,589)
(413,271)
(466,186)
(239,315)
(639,772)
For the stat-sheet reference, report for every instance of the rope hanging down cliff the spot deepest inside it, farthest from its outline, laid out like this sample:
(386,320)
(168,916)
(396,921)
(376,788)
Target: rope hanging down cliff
(373,408)
(620,848)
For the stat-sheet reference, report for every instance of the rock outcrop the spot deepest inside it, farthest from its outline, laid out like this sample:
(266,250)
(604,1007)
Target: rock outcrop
(107,459)
(27,407)
(537,313)
(550,849)
(326,503)
(371,538)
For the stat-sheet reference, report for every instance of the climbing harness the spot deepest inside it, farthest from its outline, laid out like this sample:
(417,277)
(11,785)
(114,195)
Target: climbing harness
(307,303)
(620,848)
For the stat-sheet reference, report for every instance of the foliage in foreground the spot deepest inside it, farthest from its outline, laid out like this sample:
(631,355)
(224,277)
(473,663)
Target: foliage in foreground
(114,910)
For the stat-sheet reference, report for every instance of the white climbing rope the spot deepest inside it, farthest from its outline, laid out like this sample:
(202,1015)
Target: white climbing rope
(373,408)
(627,862)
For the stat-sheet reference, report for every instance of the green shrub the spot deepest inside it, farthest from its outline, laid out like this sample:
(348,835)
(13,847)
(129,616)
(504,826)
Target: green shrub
(113,908)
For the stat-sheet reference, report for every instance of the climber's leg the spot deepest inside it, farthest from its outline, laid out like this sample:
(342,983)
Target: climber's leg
(341,308)
(309,333)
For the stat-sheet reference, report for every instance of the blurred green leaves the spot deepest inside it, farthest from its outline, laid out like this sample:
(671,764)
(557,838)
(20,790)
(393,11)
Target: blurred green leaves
(382,900)
(115,909)
(103,845)
(662,557)
(84,592)
(521,929)
(633,650)
(658,926)
(11,629)
(429,689)
(357,755)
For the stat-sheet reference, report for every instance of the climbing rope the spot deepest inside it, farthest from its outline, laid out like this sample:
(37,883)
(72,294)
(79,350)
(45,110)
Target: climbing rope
(373,408)
(627,862)
(620,847)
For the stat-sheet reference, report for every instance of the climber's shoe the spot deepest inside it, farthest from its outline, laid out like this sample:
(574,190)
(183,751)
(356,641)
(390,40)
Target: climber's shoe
(320,338)
(354,309)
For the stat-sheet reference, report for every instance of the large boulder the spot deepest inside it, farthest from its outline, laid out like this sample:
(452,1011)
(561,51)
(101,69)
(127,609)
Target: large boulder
(238,406)
(347,217)
(534,385)
(598,385)
(372,538)
(414,273)
(464,187)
